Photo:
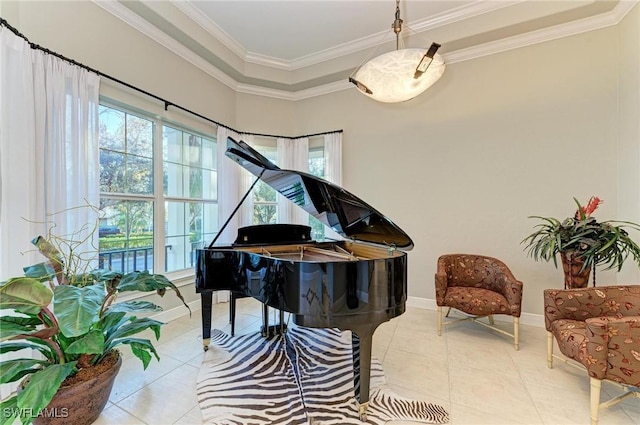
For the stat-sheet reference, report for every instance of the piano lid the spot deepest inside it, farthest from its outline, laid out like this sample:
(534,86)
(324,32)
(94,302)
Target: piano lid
(345,213)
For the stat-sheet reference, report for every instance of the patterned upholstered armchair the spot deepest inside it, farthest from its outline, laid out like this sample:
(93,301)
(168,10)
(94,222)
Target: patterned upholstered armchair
(478,286)
(600,329)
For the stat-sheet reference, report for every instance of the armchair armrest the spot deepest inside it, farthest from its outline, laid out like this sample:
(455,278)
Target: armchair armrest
(612,348)
(512,291)
(441,287)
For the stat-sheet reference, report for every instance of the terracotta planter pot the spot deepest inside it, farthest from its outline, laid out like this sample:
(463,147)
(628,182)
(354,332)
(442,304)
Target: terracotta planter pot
(574,276)
(80,404)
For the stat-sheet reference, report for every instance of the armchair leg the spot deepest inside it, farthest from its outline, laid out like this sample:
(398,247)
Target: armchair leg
(595,399)
(439,320)
(549,350)
(491,322)
(516,332)
(448,311)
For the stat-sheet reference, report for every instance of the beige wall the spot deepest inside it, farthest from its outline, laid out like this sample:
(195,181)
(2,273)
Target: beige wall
(629,128)
(496,140)
(459,168)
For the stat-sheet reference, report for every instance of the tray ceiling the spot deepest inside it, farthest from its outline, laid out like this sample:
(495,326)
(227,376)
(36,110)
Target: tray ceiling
(301,48)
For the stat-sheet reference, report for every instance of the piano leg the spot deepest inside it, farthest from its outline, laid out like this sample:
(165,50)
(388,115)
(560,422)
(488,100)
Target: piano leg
(232,312)
(276,328)
(265,320)
(361,343)
(207,302)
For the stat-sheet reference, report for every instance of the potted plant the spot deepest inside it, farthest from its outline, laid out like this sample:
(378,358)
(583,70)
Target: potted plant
(68,314)
(583,243)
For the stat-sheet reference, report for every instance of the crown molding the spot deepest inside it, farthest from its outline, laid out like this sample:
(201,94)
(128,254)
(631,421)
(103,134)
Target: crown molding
(135,21)
(457,14)
(610,18)
(210,27)
(604,20)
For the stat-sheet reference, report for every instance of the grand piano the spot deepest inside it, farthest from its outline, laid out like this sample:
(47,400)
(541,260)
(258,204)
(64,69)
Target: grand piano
(352,284)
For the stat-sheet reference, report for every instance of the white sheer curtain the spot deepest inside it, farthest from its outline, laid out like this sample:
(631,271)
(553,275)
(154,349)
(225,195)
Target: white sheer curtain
(246,217)
(233,182)
(48,149)
(230,181)
(333,167)
(333,158)
(293,154)
(48,152)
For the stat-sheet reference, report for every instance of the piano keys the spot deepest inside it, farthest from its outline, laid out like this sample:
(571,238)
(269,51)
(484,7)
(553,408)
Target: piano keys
(353,284)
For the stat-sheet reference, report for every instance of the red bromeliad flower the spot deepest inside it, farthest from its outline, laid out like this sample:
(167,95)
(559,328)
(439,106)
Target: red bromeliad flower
(584,212)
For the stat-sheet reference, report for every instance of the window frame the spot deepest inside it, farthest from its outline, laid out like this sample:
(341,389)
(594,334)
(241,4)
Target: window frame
(158,197)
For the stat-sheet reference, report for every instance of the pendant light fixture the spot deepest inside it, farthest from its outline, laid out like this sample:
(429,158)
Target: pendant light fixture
(401,74)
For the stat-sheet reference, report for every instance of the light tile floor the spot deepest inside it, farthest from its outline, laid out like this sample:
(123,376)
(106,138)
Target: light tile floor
(472,371)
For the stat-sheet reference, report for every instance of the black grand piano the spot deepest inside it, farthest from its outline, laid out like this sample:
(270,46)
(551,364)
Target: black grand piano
(353,284)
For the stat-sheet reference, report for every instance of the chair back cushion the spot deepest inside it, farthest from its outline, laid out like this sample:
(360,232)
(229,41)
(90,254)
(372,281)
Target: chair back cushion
(474,271)
(584,303)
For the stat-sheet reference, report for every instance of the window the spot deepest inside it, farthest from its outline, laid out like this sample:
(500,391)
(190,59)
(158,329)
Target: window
(190,193)
(158,184)
(133,150)
(265,203)
(316,167)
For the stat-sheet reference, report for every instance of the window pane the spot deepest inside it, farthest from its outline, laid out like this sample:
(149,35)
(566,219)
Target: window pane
(265,214)
(316,167)
(172,179)
(191,150)
(126,152)
(139,175)
(126,235)
(262,192)
(172,145)
(209,154)
(184,175)
(209,184)
(209,222)
(193,182)
(139,136)
(184,224)
(111,128)
(112,166)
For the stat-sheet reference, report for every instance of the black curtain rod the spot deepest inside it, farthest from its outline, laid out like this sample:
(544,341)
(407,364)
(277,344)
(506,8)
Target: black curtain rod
(167,103)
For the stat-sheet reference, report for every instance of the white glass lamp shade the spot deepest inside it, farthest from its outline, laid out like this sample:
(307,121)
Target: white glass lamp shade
(390,75)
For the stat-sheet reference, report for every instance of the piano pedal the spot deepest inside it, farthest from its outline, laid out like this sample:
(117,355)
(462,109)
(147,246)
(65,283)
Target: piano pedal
(274,330)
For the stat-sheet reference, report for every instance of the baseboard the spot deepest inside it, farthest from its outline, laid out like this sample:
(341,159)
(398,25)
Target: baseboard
(177,312)
(415,302)
(529,319)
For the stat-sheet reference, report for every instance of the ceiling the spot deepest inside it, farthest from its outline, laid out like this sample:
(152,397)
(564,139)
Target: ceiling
(301,48)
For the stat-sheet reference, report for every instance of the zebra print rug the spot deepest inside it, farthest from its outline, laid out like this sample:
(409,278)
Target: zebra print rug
(303,377)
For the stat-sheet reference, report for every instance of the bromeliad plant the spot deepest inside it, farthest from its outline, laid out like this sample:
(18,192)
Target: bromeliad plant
(71,318)
(582,237)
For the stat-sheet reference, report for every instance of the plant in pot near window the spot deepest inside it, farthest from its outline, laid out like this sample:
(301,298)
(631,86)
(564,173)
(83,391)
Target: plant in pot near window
(583,243)
(67,312)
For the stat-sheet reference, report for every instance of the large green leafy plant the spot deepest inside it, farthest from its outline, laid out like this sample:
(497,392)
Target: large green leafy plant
(604,243)
(68,314)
